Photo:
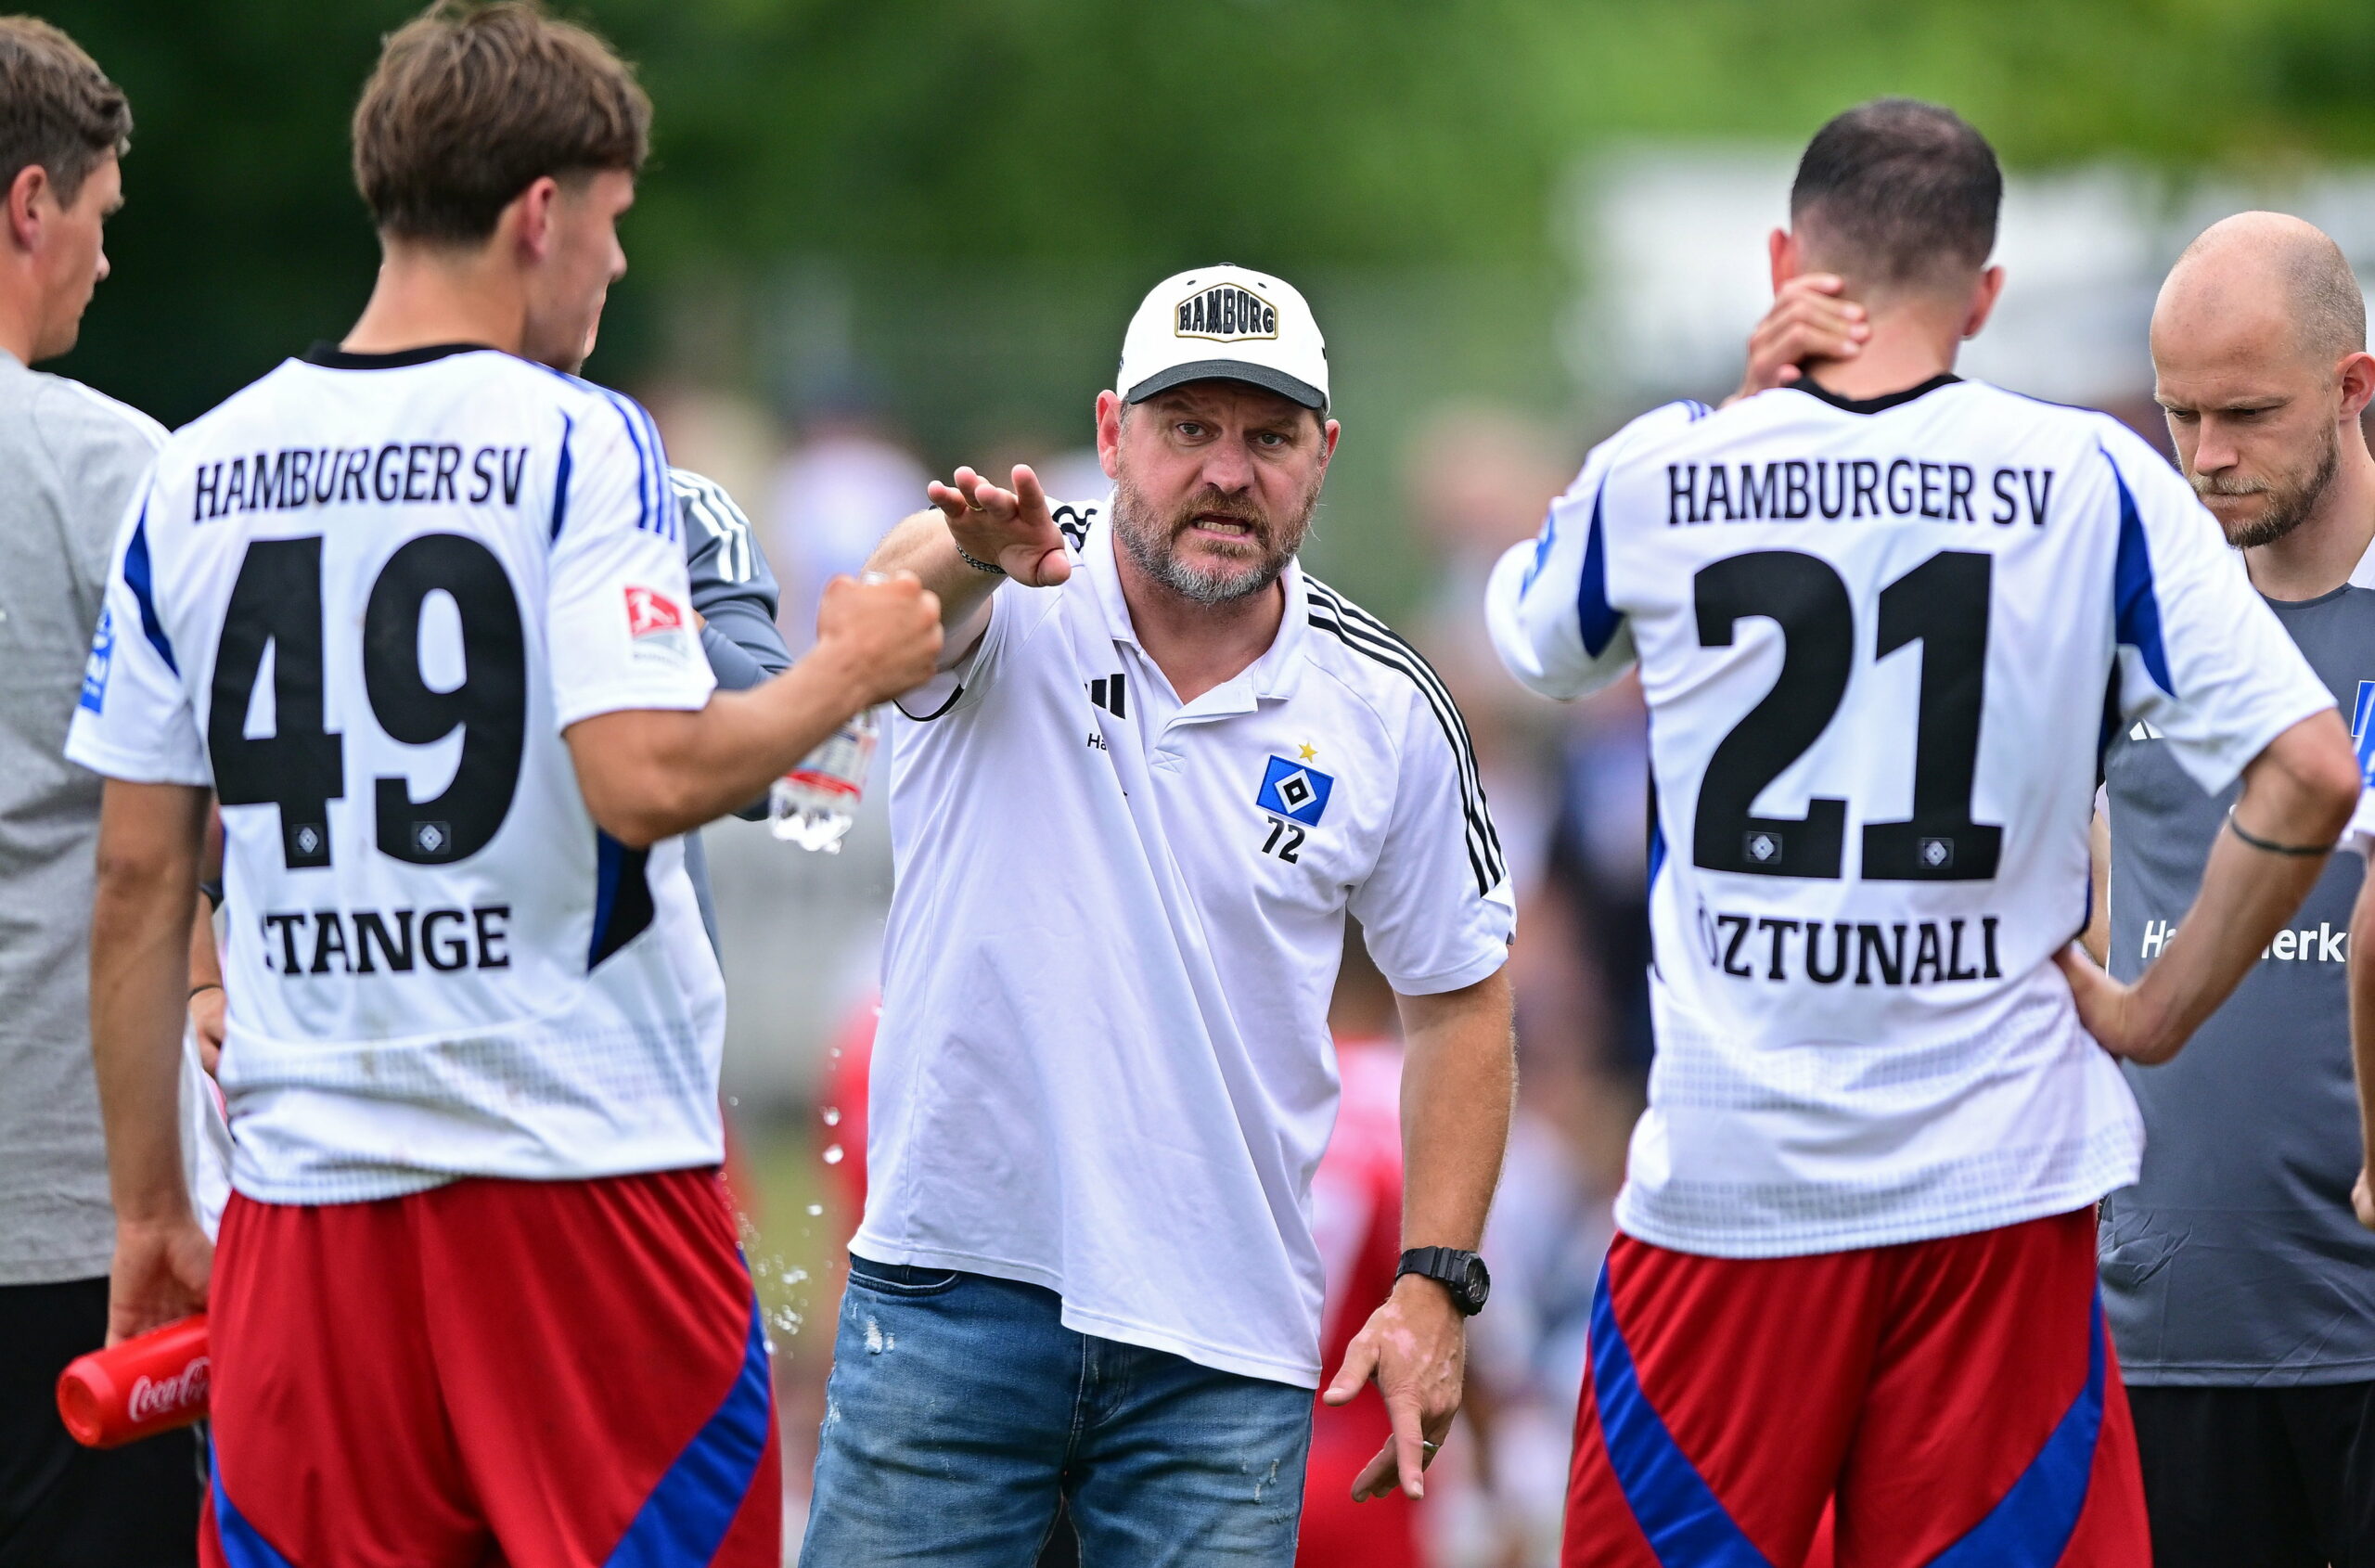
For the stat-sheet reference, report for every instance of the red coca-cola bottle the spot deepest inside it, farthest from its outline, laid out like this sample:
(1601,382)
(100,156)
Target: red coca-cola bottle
(143,1386)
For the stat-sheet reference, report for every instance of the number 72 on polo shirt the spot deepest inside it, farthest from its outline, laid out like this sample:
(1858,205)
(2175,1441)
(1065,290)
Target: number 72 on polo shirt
(1292,798)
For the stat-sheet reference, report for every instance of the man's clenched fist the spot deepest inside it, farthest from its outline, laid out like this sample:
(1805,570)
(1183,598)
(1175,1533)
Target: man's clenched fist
(885,630)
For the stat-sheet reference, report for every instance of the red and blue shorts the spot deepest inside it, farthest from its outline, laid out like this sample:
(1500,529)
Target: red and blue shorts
(566,1374)
(1954,1402)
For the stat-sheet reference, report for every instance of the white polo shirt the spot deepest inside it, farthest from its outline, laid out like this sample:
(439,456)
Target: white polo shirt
(1104,1064)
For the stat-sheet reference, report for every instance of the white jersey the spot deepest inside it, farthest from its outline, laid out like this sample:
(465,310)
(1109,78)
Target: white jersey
(360,600)
(1104,1064)
(1879,643)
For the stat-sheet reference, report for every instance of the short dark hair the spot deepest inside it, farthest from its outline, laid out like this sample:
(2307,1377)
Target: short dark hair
(1898,191)
(57,108)
(471,104)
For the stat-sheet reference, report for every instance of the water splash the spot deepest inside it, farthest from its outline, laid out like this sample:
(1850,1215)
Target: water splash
(832,1155)
(813,1210)
(832,1115)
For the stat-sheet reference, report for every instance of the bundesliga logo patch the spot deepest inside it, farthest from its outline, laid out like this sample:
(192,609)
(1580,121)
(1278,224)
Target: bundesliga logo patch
(1227,313)
(1297,791)
(649,612)
(655,624)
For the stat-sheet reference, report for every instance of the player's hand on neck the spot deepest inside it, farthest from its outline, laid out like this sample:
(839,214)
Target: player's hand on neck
(1913,330)
(534,287)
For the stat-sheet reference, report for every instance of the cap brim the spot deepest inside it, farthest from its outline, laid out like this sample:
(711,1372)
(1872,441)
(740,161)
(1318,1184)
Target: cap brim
(1261,376)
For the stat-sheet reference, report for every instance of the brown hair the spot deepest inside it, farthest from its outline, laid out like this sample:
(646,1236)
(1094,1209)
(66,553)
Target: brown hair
(57,108)
(472,104)
(1899,192)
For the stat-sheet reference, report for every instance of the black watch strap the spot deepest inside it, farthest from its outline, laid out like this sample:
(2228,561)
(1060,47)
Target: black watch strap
(1460,1273)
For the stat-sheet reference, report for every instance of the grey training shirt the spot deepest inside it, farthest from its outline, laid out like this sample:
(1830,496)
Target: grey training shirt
(2235,1259)
(69,462)
(735,593)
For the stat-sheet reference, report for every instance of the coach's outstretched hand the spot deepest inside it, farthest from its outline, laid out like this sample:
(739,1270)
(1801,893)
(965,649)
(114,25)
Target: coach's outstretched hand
(1012,530)
(161,1273)
(1416,1346)
(884,630)
(1809,321)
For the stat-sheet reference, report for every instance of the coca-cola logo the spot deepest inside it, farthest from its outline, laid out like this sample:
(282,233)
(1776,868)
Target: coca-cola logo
(154,1398)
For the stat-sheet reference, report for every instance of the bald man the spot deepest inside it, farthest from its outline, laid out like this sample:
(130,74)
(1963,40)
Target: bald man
(2239,1285)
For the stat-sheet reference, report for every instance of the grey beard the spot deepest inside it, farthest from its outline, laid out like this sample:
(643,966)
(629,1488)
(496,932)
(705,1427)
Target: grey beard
(1154,556)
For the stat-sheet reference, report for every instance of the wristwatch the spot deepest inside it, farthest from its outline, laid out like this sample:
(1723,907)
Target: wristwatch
(1462,1274)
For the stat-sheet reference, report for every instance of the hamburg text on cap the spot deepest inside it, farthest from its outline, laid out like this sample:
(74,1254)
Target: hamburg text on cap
(1224,323)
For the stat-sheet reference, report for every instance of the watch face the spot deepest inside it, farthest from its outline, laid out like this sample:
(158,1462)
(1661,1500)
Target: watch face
(1477,1286)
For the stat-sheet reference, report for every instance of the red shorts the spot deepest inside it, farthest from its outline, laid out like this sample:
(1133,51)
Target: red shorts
(562,1374)
(1957,1400)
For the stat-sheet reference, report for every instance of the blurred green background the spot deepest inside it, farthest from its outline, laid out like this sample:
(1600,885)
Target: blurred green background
(965,198)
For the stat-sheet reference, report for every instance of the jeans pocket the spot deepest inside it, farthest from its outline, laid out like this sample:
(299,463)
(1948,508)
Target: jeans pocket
(902,1279)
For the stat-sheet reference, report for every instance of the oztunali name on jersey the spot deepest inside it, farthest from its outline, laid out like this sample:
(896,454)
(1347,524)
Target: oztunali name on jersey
(1851,952)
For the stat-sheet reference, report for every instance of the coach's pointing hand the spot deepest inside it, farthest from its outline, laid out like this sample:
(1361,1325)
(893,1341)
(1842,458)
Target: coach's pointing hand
(1012,530)
(885,632)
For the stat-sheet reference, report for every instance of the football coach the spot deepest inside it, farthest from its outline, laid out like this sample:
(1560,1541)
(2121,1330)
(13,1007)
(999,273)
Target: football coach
(1130,818)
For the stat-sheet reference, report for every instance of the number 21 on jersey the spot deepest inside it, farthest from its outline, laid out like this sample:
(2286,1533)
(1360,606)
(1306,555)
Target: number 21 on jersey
(1943,604)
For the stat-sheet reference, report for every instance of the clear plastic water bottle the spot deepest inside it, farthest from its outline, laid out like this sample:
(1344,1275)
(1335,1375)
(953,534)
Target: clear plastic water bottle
(815,803)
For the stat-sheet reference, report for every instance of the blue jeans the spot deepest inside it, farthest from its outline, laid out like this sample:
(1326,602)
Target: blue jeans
(960,1407)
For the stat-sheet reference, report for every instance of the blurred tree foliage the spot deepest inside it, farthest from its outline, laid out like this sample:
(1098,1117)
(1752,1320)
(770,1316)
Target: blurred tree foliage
(1288,133)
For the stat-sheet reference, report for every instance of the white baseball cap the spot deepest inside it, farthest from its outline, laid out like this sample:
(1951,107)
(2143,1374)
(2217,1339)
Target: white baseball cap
(1227,323)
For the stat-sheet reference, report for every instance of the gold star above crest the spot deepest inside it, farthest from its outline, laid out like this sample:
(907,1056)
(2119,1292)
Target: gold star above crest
(1309,751)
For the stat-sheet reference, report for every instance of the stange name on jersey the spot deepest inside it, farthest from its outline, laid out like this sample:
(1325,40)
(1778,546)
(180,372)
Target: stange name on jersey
(1793,488)
(392,473)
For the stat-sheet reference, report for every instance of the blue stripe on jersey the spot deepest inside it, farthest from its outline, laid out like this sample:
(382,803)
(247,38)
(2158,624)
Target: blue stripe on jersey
(623,908)
(686,1518)
(137,576)
(560,477)
(643,488)
(663,499)
(1594,615)
(657,513)
(1672,1502)
(2138,619)
(243,1546)
(2031,1526)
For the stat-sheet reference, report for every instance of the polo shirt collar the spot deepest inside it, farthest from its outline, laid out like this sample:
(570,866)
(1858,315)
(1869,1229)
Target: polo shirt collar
(1274,675)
